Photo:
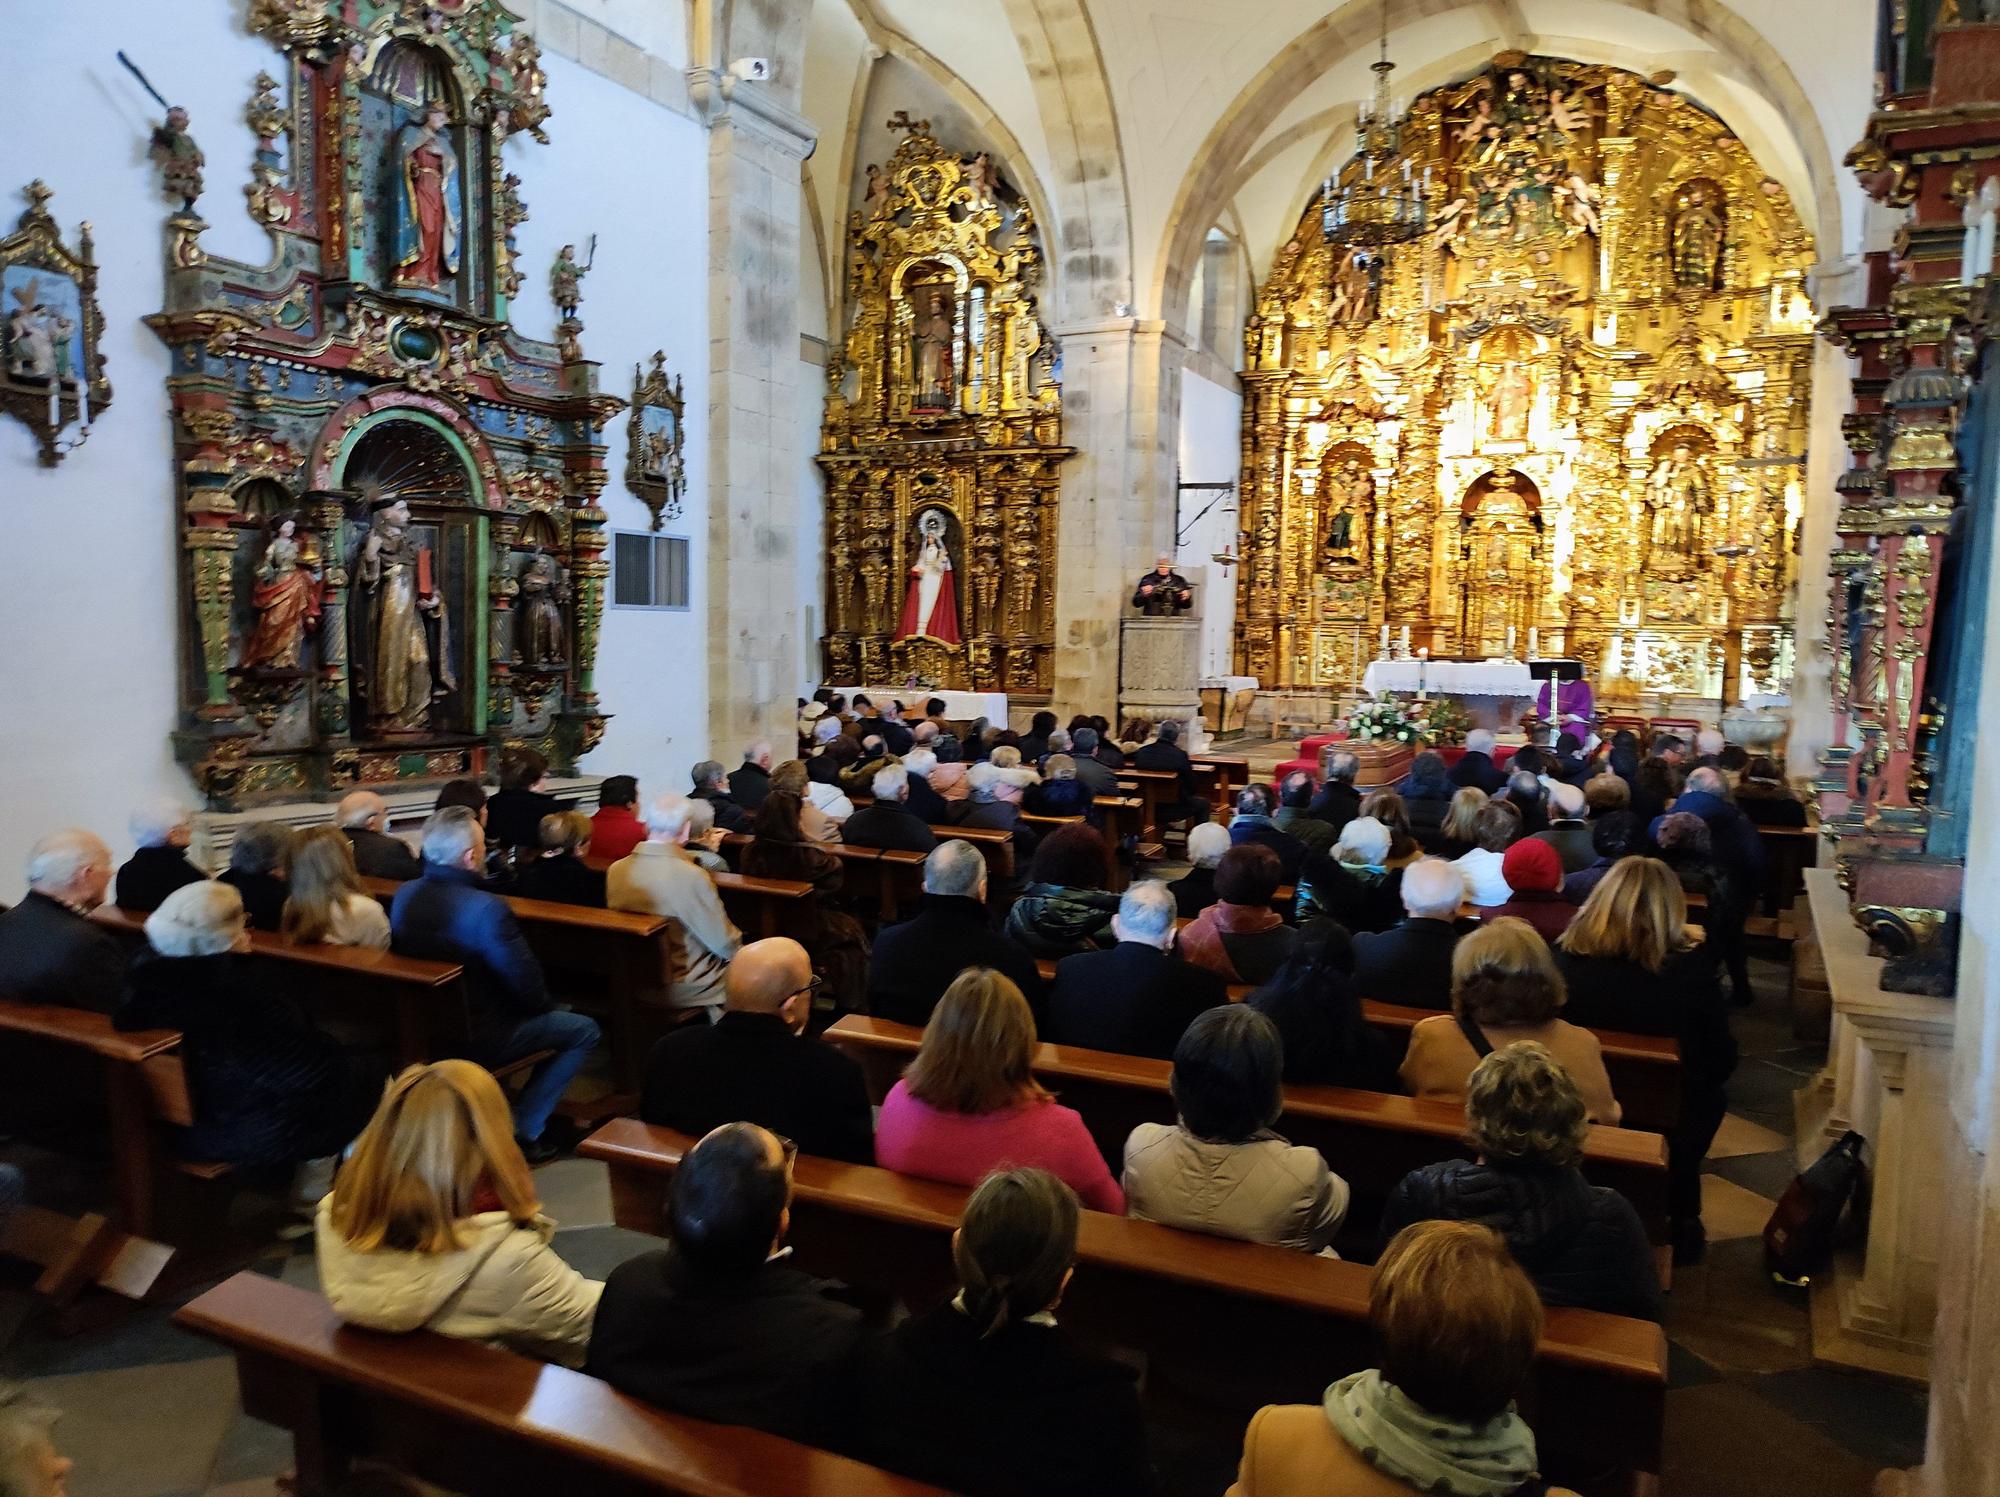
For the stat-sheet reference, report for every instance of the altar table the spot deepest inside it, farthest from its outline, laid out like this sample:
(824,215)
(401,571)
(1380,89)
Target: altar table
(959,706)
(1225,701)
(1494,693)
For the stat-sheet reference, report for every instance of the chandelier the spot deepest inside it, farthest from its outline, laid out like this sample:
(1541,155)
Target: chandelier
(1372,206)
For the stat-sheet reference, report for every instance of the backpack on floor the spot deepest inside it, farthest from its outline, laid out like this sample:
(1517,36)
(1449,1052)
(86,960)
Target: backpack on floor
(1798,1239)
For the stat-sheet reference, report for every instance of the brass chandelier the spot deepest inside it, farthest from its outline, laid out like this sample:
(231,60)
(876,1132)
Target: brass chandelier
(1366,205)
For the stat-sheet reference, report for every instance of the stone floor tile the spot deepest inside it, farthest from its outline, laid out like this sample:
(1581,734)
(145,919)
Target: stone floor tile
(1729,1211)
(143,1431)
(1738,1135)
(1766,1175)
(1879,1422)
(575,1192)
(1725,1441)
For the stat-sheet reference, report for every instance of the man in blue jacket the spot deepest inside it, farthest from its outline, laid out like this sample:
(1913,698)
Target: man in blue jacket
(446,916)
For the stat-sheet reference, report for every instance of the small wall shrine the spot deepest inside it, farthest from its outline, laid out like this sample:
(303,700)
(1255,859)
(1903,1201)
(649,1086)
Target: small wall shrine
(1574,406)
(394,555)
(943,435)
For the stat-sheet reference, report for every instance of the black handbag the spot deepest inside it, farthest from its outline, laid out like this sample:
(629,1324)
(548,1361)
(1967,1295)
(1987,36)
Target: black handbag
(1799,1237)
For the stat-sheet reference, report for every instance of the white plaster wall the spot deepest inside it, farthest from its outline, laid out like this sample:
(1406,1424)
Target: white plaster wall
(810,541)
(1210,452)
(88,594)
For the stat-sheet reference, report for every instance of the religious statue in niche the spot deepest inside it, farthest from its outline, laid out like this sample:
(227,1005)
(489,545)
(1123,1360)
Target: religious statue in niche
(932,335)
(427,201)
(286,595)
(1695,236)
(50,368)
(540,638)
(930,605)
(656,441)
(1350,497)
(1510,396)
(410,665)
(1525,156)
(1356,289)
(1678,502)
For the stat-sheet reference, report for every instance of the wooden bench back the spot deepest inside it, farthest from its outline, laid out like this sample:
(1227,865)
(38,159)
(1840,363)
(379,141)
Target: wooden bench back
(482,1420)
(1235,1324)
(1371,1139)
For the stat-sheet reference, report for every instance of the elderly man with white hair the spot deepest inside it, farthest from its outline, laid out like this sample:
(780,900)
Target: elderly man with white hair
(659,877)
(364,817)
(1138,997)
(914,962)
(1410,963)
(1476,766)
(51,951)
(1568,832)
(750,781)
(889,823)
(161,830)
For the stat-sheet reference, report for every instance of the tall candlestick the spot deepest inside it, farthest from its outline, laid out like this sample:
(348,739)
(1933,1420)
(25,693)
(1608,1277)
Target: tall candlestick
(1406,639)
(1385,641)
(1534,644)
(1510,641)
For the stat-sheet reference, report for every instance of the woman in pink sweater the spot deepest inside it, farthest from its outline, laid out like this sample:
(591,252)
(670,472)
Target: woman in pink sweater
(969,1104)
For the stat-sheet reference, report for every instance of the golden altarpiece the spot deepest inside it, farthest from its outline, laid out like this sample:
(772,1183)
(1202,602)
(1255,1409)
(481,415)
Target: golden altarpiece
(943,435)
(1573,410)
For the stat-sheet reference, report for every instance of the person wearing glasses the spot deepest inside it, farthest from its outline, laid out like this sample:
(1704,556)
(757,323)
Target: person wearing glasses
(756,1064)
(717,1325)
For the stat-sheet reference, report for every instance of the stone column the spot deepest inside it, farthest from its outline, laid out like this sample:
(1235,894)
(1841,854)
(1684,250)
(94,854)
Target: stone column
(1121,390)
(755,614)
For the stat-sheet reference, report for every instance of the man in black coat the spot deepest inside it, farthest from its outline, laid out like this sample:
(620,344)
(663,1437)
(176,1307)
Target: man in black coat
(1338,802)
(710,785)
(1476,766)
(1035,742)
(51,951)
(1252,823)
(1410,963)
(1165,754)
(364,817)
(755,1064)
(889,823)
(914,962)
(161,830)
(259,861)
(750,781)
(716,1325)
(896,734)
(1094,775)
(1138,997)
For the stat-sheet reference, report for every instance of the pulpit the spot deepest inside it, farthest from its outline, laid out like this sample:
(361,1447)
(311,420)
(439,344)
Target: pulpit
(1159,664)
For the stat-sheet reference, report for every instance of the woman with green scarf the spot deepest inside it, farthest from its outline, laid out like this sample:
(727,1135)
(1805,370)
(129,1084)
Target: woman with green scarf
(1457,1322)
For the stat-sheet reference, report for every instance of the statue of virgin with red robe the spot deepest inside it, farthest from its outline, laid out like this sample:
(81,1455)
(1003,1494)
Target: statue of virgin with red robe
(427,201)
(930,605)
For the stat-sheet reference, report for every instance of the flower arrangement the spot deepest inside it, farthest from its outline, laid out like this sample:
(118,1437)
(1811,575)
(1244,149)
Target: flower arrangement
(1382,721)
(1446,722)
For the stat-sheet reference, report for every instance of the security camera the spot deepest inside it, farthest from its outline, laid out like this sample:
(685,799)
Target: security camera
(750,69)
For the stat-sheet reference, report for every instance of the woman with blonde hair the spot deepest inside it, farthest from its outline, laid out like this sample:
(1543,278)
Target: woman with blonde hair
(434,1224)
(1457,1323)
(326,905)
(1458,833)
(1582,1244)
(1630,963)
(989,1395)
(1389,808)
(1504,988)
(969,1103)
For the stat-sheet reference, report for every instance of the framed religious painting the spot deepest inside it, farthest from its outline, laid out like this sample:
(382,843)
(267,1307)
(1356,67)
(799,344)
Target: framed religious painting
(656,442)
(51,372)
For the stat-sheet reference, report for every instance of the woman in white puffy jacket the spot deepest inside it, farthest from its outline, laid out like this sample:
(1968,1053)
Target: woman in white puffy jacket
(434,1224)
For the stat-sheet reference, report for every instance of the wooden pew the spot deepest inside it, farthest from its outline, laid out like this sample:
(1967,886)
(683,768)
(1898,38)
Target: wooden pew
(1788,852)
(485,1421)
(1645,1069)
(1232,772)
(1244,1324)
(115,1252)
(995,844)
(1371,1139)
(425,1000)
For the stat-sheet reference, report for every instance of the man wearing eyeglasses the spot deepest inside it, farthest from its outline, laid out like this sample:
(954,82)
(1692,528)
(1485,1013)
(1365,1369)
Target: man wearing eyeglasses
(717,1325)
(756,1064)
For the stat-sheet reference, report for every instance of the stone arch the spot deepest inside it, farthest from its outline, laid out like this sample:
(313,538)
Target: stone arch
(1093,197)
(1354,27)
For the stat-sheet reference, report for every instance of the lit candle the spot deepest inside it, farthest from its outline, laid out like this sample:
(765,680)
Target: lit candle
(1534,644)
(1368,168)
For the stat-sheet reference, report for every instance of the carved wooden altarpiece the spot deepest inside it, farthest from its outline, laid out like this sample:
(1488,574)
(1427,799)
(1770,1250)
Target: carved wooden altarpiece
(943,435)
(368,455)
(1578,404)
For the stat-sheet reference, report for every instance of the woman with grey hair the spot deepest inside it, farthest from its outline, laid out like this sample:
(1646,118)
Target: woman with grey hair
(267,1087)
(1582,1244)
(260,860)
(1194,891)
(161,830)
(1359,890)
(29,1464)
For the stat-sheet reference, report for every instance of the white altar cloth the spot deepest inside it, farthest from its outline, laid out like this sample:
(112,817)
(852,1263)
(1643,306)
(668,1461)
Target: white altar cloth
(1227,683)
(959,706)
(1451,678)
